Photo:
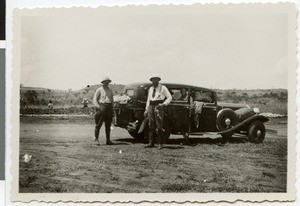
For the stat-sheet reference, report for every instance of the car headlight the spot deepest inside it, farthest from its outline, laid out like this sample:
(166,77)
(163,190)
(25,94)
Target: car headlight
(256,110)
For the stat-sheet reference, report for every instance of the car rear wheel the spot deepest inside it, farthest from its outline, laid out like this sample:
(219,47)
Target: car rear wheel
(256,132)
(136,136)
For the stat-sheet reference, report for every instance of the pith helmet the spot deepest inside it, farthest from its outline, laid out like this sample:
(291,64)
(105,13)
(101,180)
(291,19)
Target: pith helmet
(106,79)
(155,77)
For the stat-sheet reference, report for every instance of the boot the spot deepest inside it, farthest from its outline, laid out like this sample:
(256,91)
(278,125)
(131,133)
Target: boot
(160,146)
(186,140)
(151,139)
(107,132)
(108,142)
(160,138)
(96,141)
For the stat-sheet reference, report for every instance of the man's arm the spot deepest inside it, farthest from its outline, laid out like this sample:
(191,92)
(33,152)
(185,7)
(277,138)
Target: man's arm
(112,97)
(166,92)
(148,99)
(96,98)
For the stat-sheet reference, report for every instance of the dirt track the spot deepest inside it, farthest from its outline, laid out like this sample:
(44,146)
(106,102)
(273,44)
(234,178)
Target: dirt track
(64,159)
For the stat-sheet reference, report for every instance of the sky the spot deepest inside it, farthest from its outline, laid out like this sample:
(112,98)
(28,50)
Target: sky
(187,45)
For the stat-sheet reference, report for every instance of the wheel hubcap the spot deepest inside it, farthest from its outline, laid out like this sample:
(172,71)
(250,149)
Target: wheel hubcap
(258,133)
(227,121)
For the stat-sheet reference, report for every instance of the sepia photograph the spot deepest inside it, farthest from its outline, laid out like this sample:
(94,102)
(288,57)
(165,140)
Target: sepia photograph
(154,101)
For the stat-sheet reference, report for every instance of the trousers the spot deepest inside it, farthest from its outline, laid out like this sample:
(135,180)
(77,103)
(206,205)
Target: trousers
(156,119)
(103,114)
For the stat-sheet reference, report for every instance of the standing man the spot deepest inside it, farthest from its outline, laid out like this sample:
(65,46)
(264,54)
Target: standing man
(103,101)
(158,97)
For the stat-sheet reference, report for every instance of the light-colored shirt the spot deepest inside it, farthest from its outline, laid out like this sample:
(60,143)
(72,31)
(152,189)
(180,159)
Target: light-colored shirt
(161,93)
(103,96)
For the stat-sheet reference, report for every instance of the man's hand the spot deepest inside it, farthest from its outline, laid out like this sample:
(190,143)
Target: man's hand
(145,113)
(161,105)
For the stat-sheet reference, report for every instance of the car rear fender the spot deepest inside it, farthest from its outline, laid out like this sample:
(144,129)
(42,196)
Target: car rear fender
(245,123)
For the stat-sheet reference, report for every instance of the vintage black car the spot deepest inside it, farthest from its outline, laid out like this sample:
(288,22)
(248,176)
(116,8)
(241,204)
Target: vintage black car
(197,114)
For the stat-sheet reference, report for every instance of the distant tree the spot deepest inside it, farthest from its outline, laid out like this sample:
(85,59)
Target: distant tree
(31,96)
(245,94)
(282,96)
(43,101)
(23,103)
(254,96)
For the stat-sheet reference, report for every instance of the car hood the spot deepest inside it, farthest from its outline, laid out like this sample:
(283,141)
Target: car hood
(233,106)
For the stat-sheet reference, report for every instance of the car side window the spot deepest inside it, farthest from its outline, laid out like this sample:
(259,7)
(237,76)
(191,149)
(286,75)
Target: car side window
(204,96)
(130,92)
(179,94)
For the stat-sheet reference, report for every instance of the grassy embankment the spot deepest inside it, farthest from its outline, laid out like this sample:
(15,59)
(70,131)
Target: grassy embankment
(70,102)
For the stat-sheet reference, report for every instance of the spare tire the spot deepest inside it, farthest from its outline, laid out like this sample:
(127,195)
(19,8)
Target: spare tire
(226,119)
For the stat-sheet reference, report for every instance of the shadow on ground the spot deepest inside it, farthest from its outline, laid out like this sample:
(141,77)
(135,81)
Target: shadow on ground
(191,142)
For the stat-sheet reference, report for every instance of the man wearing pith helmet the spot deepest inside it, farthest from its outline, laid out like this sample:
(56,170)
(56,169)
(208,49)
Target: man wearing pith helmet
(103,101)
(158,98)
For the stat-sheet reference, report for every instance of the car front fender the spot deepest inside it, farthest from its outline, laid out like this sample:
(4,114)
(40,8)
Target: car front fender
(247,121)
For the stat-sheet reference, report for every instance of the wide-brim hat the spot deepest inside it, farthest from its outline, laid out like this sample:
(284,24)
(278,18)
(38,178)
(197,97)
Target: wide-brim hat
(106,79)
(155,77)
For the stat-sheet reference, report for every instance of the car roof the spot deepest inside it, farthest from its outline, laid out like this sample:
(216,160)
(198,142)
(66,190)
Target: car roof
(138,84)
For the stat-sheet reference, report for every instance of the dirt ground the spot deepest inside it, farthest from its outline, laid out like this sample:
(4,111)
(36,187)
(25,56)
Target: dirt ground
(65,159)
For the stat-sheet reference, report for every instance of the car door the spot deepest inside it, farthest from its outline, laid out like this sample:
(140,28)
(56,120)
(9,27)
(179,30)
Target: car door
(178,111)
(206,119)
(124,112)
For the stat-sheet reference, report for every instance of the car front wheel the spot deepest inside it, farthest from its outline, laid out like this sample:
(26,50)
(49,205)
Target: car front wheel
(256,132)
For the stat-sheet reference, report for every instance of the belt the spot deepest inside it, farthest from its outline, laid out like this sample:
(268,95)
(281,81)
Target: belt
(106,104)
(156,102)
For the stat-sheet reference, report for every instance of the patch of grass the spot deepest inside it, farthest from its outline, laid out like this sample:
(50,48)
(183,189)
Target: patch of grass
(28,180)
(133,183)
(177,187)
(141,175)
(201,167)
(268,174)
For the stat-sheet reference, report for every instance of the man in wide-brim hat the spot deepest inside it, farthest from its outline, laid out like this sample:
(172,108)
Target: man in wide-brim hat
(158,98)
(103,101)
